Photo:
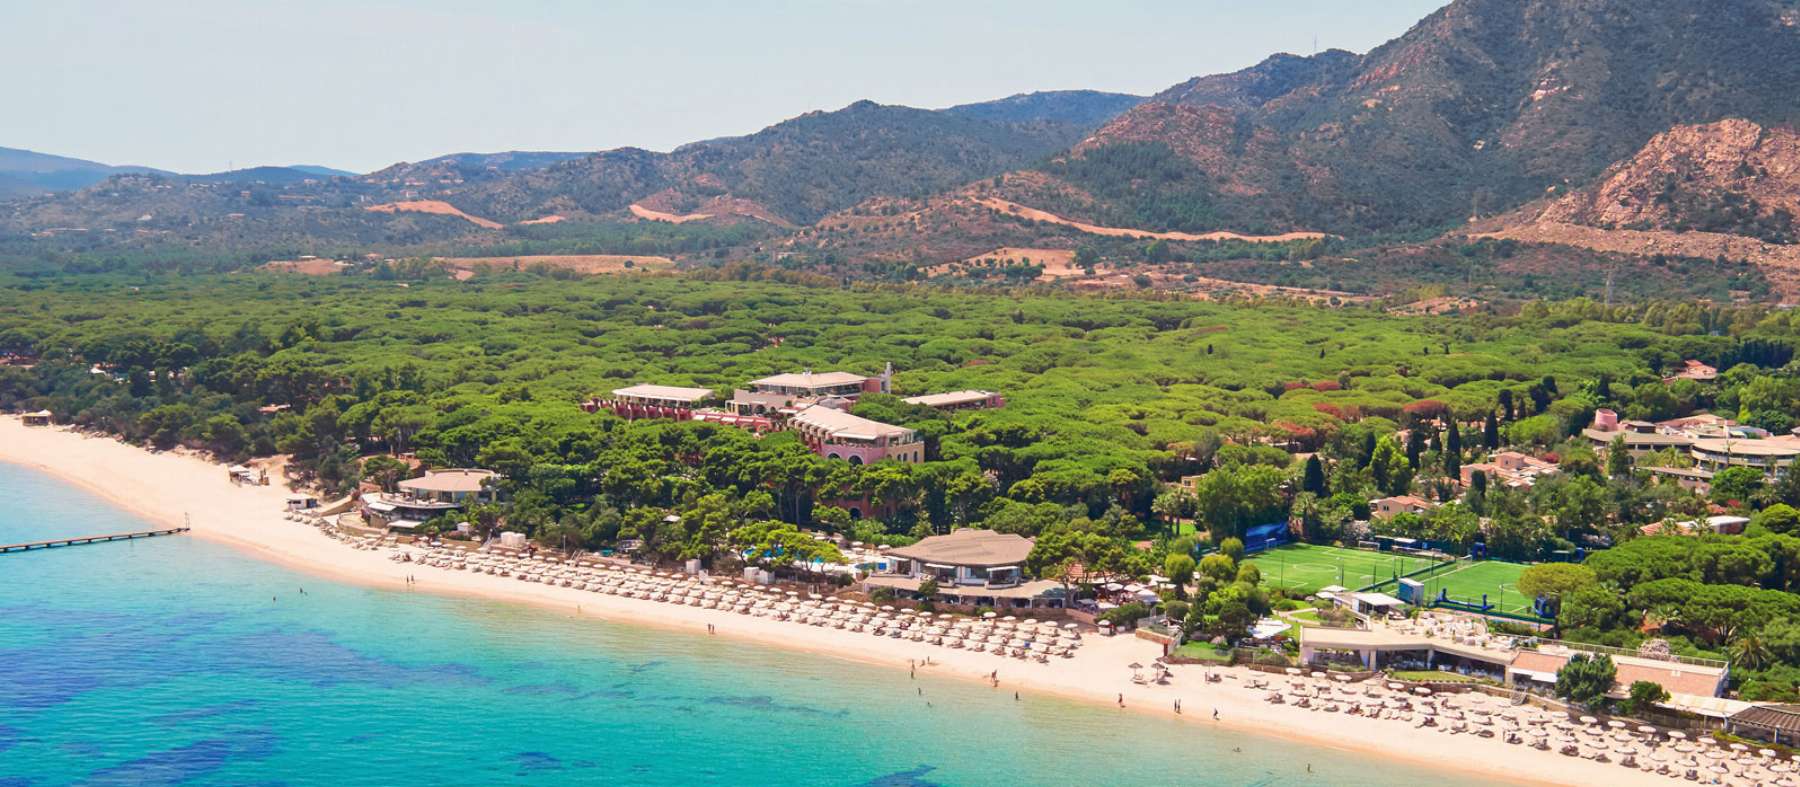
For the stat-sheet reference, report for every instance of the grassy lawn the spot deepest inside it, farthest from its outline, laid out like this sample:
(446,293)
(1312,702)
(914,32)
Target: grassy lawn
(1308,567)
(1203,651)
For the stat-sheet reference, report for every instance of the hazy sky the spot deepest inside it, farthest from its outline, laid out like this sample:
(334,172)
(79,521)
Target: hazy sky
(199,85)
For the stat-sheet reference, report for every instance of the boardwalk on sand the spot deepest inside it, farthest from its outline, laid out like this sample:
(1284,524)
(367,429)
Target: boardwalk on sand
(81,540)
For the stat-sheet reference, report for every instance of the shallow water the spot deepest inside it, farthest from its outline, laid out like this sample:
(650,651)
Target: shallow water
(178,661)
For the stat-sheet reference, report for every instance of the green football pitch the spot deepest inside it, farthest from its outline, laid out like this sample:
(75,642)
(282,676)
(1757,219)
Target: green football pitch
(1468,580)
(1307,567)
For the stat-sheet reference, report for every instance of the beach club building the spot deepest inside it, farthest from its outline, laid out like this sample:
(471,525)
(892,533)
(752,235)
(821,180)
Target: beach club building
(1378,646)
(434,494)
(971,567)
(835,434)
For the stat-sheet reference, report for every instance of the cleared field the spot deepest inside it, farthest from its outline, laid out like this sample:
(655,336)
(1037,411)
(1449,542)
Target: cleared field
(580,263)
(1468,580)
(1308,567)
(437,207)
(1047,217)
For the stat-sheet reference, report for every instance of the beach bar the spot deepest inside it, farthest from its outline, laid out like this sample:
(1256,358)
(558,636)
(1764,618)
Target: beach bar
(431,495)
(971,567)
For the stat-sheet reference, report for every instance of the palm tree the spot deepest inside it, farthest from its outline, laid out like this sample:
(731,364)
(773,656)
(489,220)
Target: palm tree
(1751,652)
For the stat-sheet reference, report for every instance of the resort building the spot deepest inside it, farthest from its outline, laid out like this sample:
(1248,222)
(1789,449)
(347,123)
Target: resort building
(835,434)
(434,494)
(971,567)
(1384,507)
(1639,437)
(822,385)
(39,418)
(1772,456)
(1692,479)
(655,401)
(1509,469)
(959,400)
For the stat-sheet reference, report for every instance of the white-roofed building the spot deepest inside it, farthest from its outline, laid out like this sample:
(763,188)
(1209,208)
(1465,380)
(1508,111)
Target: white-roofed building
(433,494)
(958,400)
(654,401)
(820,385)
(835,434)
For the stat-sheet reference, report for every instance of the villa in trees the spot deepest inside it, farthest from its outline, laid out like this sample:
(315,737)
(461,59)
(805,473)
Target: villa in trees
(1384,507)
(835,434)
(1509,469)
(431,495)
(971,567)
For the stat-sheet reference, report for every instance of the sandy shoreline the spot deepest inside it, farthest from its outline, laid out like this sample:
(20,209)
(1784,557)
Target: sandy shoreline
(175,488)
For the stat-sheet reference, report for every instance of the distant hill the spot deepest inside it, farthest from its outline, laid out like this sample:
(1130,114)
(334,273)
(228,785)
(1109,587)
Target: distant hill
(324,172)
(789,174)
(1088,108)
(24,172)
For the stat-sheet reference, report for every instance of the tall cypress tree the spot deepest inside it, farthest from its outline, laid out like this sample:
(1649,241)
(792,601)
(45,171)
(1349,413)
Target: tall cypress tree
(1490,432)
(1314,480)
(1453,452)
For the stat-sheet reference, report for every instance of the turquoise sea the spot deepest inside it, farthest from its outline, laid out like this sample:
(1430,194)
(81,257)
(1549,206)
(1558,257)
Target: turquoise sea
(178,661)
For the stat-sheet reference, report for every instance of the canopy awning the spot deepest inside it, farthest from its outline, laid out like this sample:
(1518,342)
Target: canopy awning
(405,524)
(380,507)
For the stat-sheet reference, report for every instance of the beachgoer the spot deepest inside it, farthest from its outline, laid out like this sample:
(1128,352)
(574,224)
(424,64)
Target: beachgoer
(1215,714)
(1121,700)
(1015,696)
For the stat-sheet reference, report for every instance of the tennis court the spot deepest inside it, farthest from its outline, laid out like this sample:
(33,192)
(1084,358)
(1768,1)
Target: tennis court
(1308,567)
(1469,579)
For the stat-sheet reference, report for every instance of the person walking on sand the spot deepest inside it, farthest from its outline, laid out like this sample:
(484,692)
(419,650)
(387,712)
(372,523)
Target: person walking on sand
(1215,714)
(1121,700)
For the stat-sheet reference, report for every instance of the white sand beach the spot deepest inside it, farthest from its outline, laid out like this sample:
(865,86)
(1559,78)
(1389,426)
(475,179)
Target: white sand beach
(177,488)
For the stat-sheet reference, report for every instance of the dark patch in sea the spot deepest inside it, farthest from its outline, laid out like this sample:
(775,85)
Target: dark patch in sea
(767,703)
(541,689)
(912,778)
(15,781)
(535,761)
(367,737)
(185,763)
(638,669)
(194,714)
(9,737)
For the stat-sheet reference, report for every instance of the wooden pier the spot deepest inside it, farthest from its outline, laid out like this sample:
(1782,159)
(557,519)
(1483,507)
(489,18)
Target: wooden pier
(81,540)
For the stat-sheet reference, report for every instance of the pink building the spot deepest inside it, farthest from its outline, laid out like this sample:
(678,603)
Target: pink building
(835,434)
(655,401)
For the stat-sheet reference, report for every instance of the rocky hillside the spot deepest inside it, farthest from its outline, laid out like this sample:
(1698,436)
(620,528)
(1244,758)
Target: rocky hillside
(1479,108)
(1733,177)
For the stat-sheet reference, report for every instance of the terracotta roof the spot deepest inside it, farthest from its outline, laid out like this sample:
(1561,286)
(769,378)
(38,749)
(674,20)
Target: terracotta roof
(1783,718)
(969,547)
